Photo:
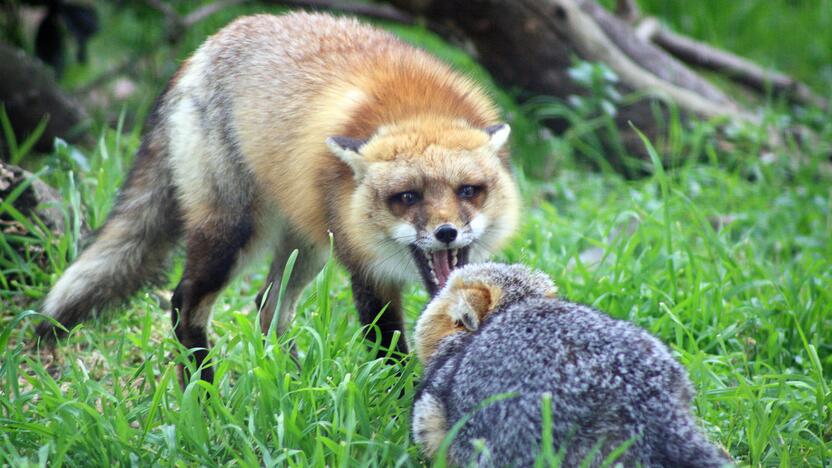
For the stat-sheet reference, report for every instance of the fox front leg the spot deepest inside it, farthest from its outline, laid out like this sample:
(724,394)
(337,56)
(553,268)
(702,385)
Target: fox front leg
(370,299)
(430,423)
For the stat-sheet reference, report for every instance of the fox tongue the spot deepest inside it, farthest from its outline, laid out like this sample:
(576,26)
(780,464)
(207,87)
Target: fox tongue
(441,267)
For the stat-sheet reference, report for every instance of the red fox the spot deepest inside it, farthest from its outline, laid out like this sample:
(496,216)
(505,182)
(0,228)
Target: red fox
(279,130)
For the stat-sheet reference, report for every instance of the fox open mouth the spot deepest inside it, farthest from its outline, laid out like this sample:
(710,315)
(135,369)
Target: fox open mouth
(436,266)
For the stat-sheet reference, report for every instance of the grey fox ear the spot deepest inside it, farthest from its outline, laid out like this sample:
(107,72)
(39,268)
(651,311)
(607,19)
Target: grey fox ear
(348,150)
(479,300)
(497,136)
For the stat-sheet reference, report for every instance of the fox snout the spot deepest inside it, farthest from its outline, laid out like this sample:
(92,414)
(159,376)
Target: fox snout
(445,233)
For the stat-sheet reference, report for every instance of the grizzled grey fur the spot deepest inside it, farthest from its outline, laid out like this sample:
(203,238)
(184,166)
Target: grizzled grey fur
(609,381)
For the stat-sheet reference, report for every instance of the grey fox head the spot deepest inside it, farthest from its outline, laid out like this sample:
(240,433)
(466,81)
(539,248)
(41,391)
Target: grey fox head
(472,293)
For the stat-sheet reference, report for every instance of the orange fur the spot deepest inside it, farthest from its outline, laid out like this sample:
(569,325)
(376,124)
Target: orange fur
(353,81)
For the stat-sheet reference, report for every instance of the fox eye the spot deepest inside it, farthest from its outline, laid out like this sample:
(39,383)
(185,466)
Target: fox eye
(468,191)
(407,198)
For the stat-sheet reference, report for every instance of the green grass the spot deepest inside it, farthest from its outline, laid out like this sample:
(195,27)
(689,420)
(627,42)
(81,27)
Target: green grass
(725,255)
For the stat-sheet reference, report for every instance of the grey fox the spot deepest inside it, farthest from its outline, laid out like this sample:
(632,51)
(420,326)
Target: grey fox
(499,330)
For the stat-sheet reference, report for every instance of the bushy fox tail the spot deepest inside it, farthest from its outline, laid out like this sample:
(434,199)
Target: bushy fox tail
(130,250)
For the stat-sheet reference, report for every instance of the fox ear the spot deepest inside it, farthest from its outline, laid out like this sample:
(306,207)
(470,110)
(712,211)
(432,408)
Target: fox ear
(497,136)
(347,149)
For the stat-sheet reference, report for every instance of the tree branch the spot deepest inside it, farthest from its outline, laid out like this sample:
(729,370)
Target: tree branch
(736,68)
(368,10)
(207,10)
(595,43)
(627,10)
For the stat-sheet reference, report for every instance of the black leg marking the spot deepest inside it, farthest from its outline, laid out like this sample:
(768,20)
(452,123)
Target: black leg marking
(211,254)
(370,301)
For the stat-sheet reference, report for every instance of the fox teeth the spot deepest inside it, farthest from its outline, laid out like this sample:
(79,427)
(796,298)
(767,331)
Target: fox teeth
(432,271)
(453,257)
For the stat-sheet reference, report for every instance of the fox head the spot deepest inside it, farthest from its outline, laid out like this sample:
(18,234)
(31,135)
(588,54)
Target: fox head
(430,195)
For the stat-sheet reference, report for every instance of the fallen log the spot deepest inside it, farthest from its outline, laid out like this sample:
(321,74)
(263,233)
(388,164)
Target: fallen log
(736,68)
(30,197)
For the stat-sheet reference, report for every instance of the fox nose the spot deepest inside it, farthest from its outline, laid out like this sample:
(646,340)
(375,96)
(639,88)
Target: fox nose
(445,233)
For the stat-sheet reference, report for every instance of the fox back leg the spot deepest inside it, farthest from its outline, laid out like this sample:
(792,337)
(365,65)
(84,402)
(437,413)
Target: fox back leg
(213,251)
(217,199)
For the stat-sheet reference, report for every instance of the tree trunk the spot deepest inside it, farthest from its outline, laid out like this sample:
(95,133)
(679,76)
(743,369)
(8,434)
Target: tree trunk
(29,93)
(531,44)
